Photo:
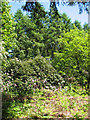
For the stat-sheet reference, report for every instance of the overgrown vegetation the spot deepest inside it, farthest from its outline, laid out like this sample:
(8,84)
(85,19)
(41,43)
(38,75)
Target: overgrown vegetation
(45,64)
(26,76)
(46,103)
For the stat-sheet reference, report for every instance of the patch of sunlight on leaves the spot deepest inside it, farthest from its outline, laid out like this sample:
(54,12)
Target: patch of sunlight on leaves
(32,101)
(42,98)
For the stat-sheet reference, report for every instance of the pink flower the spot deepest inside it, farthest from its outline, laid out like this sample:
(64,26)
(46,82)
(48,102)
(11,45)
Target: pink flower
(35,110)
(44,81)
(1,89)
(9,82)
(15,85)
(32,80)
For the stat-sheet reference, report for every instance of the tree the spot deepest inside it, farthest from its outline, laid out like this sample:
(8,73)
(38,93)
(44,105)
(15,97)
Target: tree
(18,15)
(8,34)
(53,31)
(67,22)
(83,6)
(24,48)
(36,12)
(57,25)
(29,36)
(49,26)
(39,17)
(78,24)
(86,27)
(73,55)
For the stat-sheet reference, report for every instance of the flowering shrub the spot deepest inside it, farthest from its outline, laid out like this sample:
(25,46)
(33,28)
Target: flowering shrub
(25,76)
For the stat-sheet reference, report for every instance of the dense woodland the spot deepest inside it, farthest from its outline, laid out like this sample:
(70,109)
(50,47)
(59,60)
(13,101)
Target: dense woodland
(44,56)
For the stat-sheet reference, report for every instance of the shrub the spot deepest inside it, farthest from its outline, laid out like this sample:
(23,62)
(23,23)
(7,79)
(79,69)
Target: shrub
(24,76)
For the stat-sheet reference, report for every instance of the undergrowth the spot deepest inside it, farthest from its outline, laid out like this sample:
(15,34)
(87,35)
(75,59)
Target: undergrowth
(46,103)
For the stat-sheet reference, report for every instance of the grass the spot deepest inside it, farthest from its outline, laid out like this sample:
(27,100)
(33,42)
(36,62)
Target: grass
(46,103)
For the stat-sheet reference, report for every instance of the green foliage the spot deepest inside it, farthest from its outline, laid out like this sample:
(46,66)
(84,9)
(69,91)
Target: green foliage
(8,26)
(83,6)
(18,15)
(40,29)
(86,27)
(24,43)
(29,37)
(57,25)
(29,81)
(73,56)
(67,22)
(78,25)
(25,76)
(54,106)
(8,35)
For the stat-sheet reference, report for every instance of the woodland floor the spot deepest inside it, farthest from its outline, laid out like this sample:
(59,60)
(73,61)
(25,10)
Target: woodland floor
(45,103)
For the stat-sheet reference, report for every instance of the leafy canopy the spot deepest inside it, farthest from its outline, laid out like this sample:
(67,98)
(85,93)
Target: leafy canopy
(72,58)
(8,26)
